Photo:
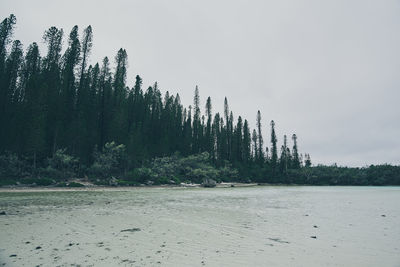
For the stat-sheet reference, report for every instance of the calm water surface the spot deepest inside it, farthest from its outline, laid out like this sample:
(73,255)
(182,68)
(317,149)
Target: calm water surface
(257,226)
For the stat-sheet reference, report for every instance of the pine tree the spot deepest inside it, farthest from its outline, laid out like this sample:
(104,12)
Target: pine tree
(196,121)
(104,103)
(10,96)
(254,138)
(238,141)
(6,32)
(227,131)
(217,135)
(274,150)
(283,161)
(209,136)
(33,107)
(246,142)
(52,87)
(296,159)
(307,161)
(260,152)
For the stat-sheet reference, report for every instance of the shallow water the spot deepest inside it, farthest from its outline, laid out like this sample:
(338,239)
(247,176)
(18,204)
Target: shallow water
(257,226)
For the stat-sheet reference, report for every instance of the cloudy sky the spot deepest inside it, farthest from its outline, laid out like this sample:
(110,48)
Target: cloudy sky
(328,71)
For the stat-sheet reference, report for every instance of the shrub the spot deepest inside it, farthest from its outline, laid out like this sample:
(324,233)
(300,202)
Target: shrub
(110,162)
(12,167)
(75,184)
(60,166)
(140,175)
(37,181)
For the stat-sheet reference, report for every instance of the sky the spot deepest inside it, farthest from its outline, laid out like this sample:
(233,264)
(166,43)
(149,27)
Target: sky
(328,71)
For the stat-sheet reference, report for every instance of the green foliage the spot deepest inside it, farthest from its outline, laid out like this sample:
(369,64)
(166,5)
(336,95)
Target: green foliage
(75,184)
(70,184)
(12,167)
(61,166)
(5,182)
(334,175)
(110,162)
(37,181)
(174,169)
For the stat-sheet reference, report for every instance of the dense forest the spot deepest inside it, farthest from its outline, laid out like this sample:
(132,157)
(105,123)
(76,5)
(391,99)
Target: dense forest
(62,118)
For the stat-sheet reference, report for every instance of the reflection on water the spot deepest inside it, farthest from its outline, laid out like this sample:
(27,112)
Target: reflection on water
(257,226)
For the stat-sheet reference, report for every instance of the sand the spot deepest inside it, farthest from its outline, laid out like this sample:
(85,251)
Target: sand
(253,226)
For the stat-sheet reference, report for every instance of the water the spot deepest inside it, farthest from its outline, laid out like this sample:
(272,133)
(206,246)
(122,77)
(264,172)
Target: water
(257,226)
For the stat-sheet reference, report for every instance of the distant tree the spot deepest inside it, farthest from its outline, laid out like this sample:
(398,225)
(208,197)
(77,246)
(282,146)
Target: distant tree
(104,102)
(283,161)
(307,161)
(246,142)
(52,87)
(238,141)
(209,132)
(197,131)
(216,136)
(33,138)
(260,152)
(254,138)
(295,156)
(274,150)
(6,32)
(70,62)
(86,49)
(228,131)
(121,61)
(10,97)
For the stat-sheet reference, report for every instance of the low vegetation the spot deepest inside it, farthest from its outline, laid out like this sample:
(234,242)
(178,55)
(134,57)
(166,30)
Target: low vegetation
(109,168)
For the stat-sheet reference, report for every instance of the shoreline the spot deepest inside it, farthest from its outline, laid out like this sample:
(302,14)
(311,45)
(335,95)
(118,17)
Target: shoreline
(92,187)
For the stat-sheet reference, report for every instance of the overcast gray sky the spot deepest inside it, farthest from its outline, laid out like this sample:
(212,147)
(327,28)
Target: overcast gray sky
(328,71)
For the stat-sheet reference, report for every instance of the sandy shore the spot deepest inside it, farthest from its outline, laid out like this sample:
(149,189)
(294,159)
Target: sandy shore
(92,187)
(176,226)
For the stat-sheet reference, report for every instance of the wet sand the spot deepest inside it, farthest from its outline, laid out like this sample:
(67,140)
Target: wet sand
(252,226)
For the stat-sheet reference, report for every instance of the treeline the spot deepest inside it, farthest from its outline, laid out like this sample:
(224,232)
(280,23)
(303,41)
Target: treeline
(61,116)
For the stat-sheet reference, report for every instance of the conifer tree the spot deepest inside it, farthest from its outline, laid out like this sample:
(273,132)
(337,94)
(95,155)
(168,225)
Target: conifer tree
(227,130)
(104,102)
(307,161)
(52,86)
(10,95)
(296,159)
(196,121)
(274,150)
(260,152)
(6,32)
(217,135)
(246,142)
(283,161)
(209,133)
(70,61)
(33,102)
(238,141)
(254,138)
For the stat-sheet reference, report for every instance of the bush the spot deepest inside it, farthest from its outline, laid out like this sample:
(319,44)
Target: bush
(75,184)
(174,169)
(127,183)
(4,182)
(12,167)
(140,175)
(37,181)
(110,162)
(60,166)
